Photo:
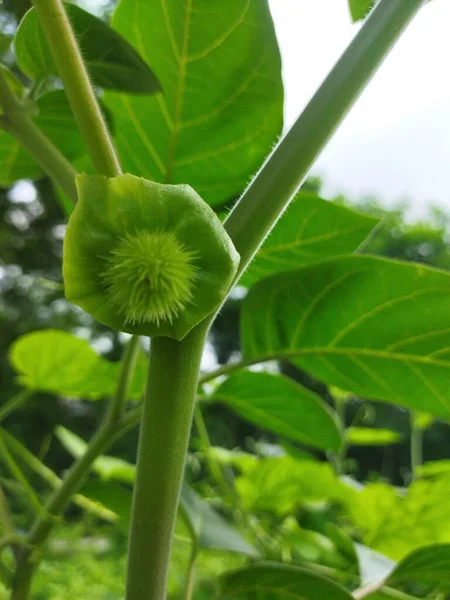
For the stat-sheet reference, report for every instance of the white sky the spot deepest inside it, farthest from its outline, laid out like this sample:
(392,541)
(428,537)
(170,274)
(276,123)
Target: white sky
(395,143)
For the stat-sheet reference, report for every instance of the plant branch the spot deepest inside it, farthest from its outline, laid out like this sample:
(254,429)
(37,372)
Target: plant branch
(190,577)
(17,123)
(16,472)
(86,109)
(6,518)
(14,403)
(63,494)
(367,590)
(117,406)
(166,424)
(270,192)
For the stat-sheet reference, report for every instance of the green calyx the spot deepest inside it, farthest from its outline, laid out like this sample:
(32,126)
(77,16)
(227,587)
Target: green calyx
(149,277)
(144,257)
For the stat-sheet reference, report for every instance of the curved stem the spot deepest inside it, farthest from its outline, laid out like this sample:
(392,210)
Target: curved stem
(17,122)
(163,442)
(67,56)
(368,590)
(117,406)
(190,577)
(279,179)
(14,403)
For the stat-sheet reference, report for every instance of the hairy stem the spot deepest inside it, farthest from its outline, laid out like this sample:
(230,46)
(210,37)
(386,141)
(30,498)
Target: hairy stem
(17,122)
(164,437)
(268,195)
(86,109)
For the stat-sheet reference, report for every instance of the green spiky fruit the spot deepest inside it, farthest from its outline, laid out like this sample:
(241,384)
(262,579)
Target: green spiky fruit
(144,257)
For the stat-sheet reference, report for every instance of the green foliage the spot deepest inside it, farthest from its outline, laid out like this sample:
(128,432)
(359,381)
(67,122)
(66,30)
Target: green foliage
(211,136)
(271,582)
(111,61)
(280,405)
(367,436)
(430,564)
(281,484)
(354,298)
(311,230)
(58,362)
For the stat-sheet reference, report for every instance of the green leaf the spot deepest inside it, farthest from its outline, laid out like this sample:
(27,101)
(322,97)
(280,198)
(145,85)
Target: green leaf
(220,69)
(359,9)
(429,565)
(271,581)
(111,61)
(378,328)
(396,523)
(366,436)
(433,468)
(311,230)
(57,362)
(208,528)
(281,484)
(56,121)
(282,406)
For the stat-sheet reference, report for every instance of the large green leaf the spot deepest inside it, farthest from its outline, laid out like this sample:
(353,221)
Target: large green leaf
(367,436)
(281,484)
(56,361)
(271,581)
(360,8)
(371,326)
(111,61)
(281,405)
(208,528)
(219,66)
(426,565)
(312,229)
(56,121)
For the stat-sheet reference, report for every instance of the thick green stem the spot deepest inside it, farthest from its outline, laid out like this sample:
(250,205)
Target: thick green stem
(17,122)
(164,437)
(276,183)
(86,109)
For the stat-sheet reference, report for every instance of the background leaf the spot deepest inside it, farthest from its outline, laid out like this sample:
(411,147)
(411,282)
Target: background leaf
(219,67)
(282,484)
(210,530)
(55,119)
(371,326)
(56,361)
(111,61)
(425,565)
(282,406)
(270,581)
(312,229)
(367,436)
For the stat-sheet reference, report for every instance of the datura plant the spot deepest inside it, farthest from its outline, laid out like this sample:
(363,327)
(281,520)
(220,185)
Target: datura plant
(144,257)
